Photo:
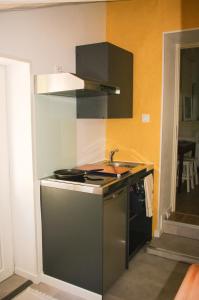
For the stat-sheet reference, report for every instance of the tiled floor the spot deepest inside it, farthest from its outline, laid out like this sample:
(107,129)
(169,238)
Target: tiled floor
(148,278)
(12,284)
(185,218)
(188,203)
(53,292)
(177,244)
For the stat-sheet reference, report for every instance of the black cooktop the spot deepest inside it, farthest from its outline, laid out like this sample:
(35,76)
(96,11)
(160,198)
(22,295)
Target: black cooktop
(96,180)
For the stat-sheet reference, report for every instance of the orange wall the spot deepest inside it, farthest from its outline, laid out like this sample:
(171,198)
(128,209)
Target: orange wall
(138,26)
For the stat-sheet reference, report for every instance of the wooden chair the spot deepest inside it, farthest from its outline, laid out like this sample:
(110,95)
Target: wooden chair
(188,174)
(195,168)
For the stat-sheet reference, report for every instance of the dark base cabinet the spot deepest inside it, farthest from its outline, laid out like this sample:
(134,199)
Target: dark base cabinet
(72,237)
(139,233)
(139,226)
(88,239)
(84,236)
(110,64)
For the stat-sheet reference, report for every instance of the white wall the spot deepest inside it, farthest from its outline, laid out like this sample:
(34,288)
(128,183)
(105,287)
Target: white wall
(45,38)
(18,98)
(167,126)
(55,134)
(93,131)
(6,250)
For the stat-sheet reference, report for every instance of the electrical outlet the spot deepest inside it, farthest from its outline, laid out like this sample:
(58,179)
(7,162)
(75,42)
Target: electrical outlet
(145,118)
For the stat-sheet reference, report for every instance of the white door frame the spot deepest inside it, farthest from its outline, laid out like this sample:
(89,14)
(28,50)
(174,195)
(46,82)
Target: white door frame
(6,232)
(176,119)
(20,134)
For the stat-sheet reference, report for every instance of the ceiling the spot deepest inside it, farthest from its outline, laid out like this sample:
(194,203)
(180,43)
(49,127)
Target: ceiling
(20,5)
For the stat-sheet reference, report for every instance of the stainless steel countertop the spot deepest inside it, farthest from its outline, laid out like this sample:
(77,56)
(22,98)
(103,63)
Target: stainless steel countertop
(89,188)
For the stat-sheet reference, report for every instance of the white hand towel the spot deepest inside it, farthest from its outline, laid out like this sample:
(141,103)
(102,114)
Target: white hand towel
(148,186)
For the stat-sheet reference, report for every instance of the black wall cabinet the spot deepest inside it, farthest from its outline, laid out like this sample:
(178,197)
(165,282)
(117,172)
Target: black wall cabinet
(108,63)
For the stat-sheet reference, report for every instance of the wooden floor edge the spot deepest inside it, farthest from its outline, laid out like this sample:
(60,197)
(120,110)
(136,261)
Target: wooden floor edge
(16,291)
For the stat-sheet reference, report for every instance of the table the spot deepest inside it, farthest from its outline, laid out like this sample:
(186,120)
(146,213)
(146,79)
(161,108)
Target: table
(184,147)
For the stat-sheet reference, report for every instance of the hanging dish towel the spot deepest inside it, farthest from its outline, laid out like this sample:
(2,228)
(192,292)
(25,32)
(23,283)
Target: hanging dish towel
(148,186)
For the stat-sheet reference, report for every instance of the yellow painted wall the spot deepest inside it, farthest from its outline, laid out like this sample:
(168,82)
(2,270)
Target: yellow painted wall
(138,26)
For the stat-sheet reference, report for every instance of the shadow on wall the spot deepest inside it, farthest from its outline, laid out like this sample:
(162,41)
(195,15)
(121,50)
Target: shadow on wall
(124,152)
(189,14)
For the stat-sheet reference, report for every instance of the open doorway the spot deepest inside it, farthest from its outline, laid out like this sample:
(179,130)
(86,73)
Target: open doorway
(187,183)
(173,42)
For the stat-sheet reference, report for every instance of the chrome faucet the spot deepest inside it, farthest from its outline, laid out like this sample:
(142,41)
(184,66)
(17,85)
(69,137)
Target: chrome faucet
(111,154)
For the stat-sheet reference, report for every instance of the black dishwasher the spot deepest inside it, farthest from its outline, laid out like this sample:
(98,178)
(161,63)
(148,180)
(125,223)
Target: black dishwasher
(139,225)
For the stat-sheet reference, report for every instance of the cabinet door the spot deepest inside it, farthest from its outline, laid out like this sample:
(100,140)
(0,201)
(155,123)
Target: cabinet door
(107,63)
(114,239)
(6,255)
(72,237)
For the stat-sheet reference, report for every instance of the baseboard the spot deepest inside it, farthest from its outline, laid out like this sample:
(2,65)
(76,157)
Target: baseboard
(158,233)
(166,214)
(159,230)
(70,288)
(172,255)
(181,229)
(6,273)
(59,284)
(33,277)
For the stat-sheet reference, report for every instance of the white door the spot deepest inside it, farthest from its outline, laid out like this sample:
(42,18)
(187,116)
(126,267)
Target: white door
(6,247)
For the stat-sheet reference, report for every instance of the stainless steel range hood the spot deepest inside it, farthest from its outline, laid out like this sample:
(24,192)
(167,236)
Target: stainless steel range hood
(71,85)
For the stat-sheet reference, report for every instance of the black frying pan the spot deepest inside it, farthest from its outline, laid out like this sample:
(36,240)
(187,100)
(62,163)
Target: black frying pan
(73,173)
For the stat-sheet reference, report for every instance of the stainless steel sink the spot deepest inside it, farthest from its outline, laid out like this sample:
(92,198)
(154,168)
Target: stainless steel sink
(129,165)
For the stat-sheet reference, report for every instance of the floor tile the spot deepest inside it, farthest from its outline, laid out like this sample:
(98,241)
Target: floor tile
(188,203)
(148,278)
(177,244)
(53,292)
(11,284)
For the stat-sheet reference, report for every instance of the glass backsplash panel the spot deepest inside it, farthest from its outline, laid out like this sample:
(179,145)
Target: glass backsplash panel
(55,133)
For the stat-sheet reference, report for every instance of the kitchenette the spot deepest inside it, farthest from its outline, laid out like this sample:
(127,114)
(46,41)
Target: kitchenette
(95,215)
(87,114)
(94,222)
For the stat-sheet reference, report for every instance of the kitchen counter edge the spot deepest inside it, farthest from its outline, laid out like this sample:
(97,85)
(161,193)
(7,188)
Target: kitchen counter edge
(80,187)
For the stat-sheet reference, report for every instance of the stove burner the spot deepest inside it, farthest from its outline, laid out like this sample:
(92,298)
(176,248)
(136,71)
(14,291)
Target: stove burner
(84,178)
(94,180)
